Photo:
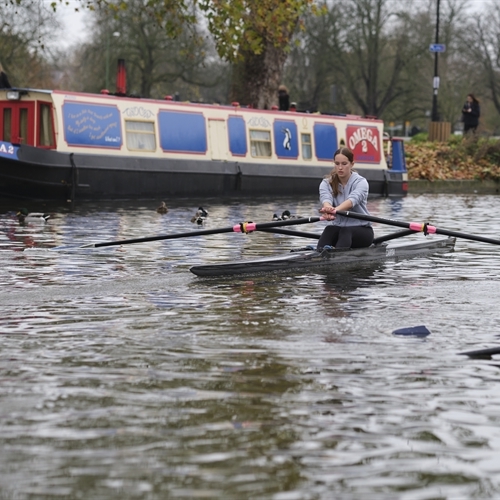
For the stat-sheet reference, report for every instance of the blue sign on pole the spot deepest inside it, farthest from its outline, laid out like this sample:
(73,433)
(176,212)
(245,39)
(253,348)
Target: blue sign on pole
(437,47)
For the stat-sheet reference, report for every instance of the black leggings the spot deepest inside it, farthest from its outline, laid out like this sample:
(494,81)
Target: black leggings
(346,237)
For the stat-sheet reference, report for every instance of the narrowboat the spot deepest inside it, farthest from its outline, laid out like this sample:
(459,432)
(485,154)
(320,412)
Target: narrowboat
(66,146)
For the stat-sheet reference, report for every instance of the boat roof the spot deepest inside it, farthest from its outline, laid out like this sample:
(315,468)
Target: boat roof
(169,100)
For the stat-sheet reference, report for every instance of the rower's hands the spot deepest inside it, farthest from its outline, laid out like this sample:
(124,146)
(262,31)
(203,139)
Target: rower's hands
(328,213)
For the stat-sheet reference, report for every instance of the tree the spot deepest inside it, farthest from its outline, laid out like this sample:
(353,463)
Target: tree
(372,43)
(254,35)
(25,30)
(481,43)
(372,57)
(156,63)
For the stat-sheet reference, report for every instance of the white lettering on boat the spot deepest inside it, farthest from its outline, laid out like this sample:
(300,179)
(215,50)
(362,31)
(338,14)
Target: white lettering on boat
(7,149)
(259,121)
(363,134)
(112,139)
(138,111)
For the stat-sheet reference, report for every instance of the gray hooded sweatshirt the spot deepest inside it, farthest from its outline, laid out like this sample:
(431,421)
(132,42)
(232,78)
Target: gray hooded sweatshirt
(355,190)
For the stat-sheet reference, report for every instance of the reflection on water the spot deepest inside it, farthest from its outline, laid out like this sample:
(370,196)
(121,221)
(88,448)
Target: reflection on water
(125,376)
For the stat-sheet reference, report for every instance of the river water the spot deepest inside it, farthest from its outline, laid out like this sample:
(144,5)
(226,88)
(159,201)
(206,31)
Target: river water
(123,375)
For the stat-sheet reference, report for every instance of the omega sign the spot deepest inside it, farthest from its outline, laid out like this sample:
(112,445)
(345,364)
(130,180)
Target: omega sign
(364,142)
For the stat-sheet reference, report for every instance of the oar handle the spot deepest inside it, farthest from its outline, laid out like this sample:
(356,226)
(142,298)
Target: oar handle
(289,232)
(248,227)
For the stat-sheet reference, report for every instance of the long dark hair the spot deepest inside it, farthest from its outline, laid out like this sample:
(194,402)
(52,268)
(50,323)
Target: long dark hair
(473,97)
(333,177)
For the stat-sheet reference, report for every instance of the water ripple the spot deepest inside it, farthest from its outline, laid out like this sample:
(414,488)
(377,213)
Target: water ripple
(124,376)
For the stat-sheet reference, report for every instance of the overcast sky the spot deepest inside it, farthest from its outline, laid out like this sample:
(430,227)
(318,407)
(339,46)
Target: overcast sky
(73,21)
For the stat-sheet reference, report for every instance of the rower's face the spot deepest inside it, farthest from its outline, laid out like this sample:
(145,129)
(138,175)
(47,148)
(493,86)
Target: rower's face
(343,166)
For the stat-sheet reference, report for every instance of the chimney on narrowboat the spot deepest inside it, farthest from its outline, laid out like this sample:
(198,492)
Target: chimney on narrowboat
(121,78)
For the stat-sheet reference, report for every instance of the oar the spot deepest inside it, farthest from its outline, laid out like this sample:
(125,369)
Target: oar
(392,236)
(417,227)
(243,227)
(289,232)
(315,236)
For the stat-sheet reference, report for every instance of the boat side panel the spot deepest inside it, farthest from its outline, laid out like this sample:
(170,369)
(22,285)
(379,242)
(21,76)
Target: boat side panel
(175,120)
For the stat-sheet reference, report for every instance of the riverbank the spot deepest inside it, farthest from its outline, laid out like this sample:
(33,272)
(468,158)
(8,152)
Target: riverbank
(461,165)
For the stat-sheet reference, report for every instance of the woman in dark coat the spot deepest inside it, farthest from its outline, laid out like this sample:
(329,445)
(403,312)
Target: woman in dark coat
(470,114)
(283,98)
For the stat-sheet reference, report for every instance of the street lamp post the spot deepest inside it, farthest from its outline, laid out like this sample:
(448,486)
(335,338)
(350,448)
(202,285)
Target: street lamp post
(435,82)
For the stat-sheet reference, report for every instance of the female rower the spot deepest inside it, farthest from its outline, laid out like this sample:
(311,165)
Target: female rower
(344,189)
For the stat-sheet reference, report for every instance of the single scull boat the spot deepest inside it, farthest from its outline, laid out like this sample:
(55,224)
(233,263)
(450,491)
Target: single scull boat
(312,259)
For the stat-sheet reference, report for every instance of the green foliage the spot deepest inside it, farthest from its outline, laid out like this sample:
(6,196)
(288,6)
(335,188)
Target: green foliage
(480,148)
(420,137)
(240,26)
(455,139)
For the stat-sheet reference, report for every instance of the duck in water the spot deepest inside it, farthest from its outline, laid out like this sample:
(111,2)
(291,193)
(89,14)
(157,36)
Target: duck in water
(285,215)
(162,209)
(200,216)
(26,217)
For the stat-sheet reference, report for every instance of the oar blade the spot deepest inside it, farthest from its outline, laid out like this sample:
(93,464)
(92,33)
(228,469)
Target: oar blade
(419,331)
(481,353)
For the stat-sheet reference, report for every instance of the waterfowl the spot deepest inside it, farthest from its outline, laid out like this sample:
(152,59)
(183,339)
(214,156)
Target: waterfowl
(202,212)
(162,209)
(200,216)
(24,216)
(276,217)
(287,215)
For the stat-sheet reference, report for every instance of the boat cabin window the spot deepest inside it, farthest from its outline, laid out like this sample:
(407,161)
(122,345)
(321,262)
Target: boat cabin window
(7,124)
(260,143)
(140,135)
(46,130)
(17,122)
(23,125)
(306,146)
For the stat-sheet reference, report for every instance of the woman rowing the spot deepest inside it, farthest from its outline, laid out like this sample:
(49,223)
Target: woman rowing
(344,189)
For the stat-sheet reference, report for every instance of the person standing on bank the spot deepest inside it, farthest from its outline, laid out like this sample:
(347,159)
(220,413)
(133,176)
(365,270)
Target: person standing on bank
(470,114)
(344,189)
(283,98)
